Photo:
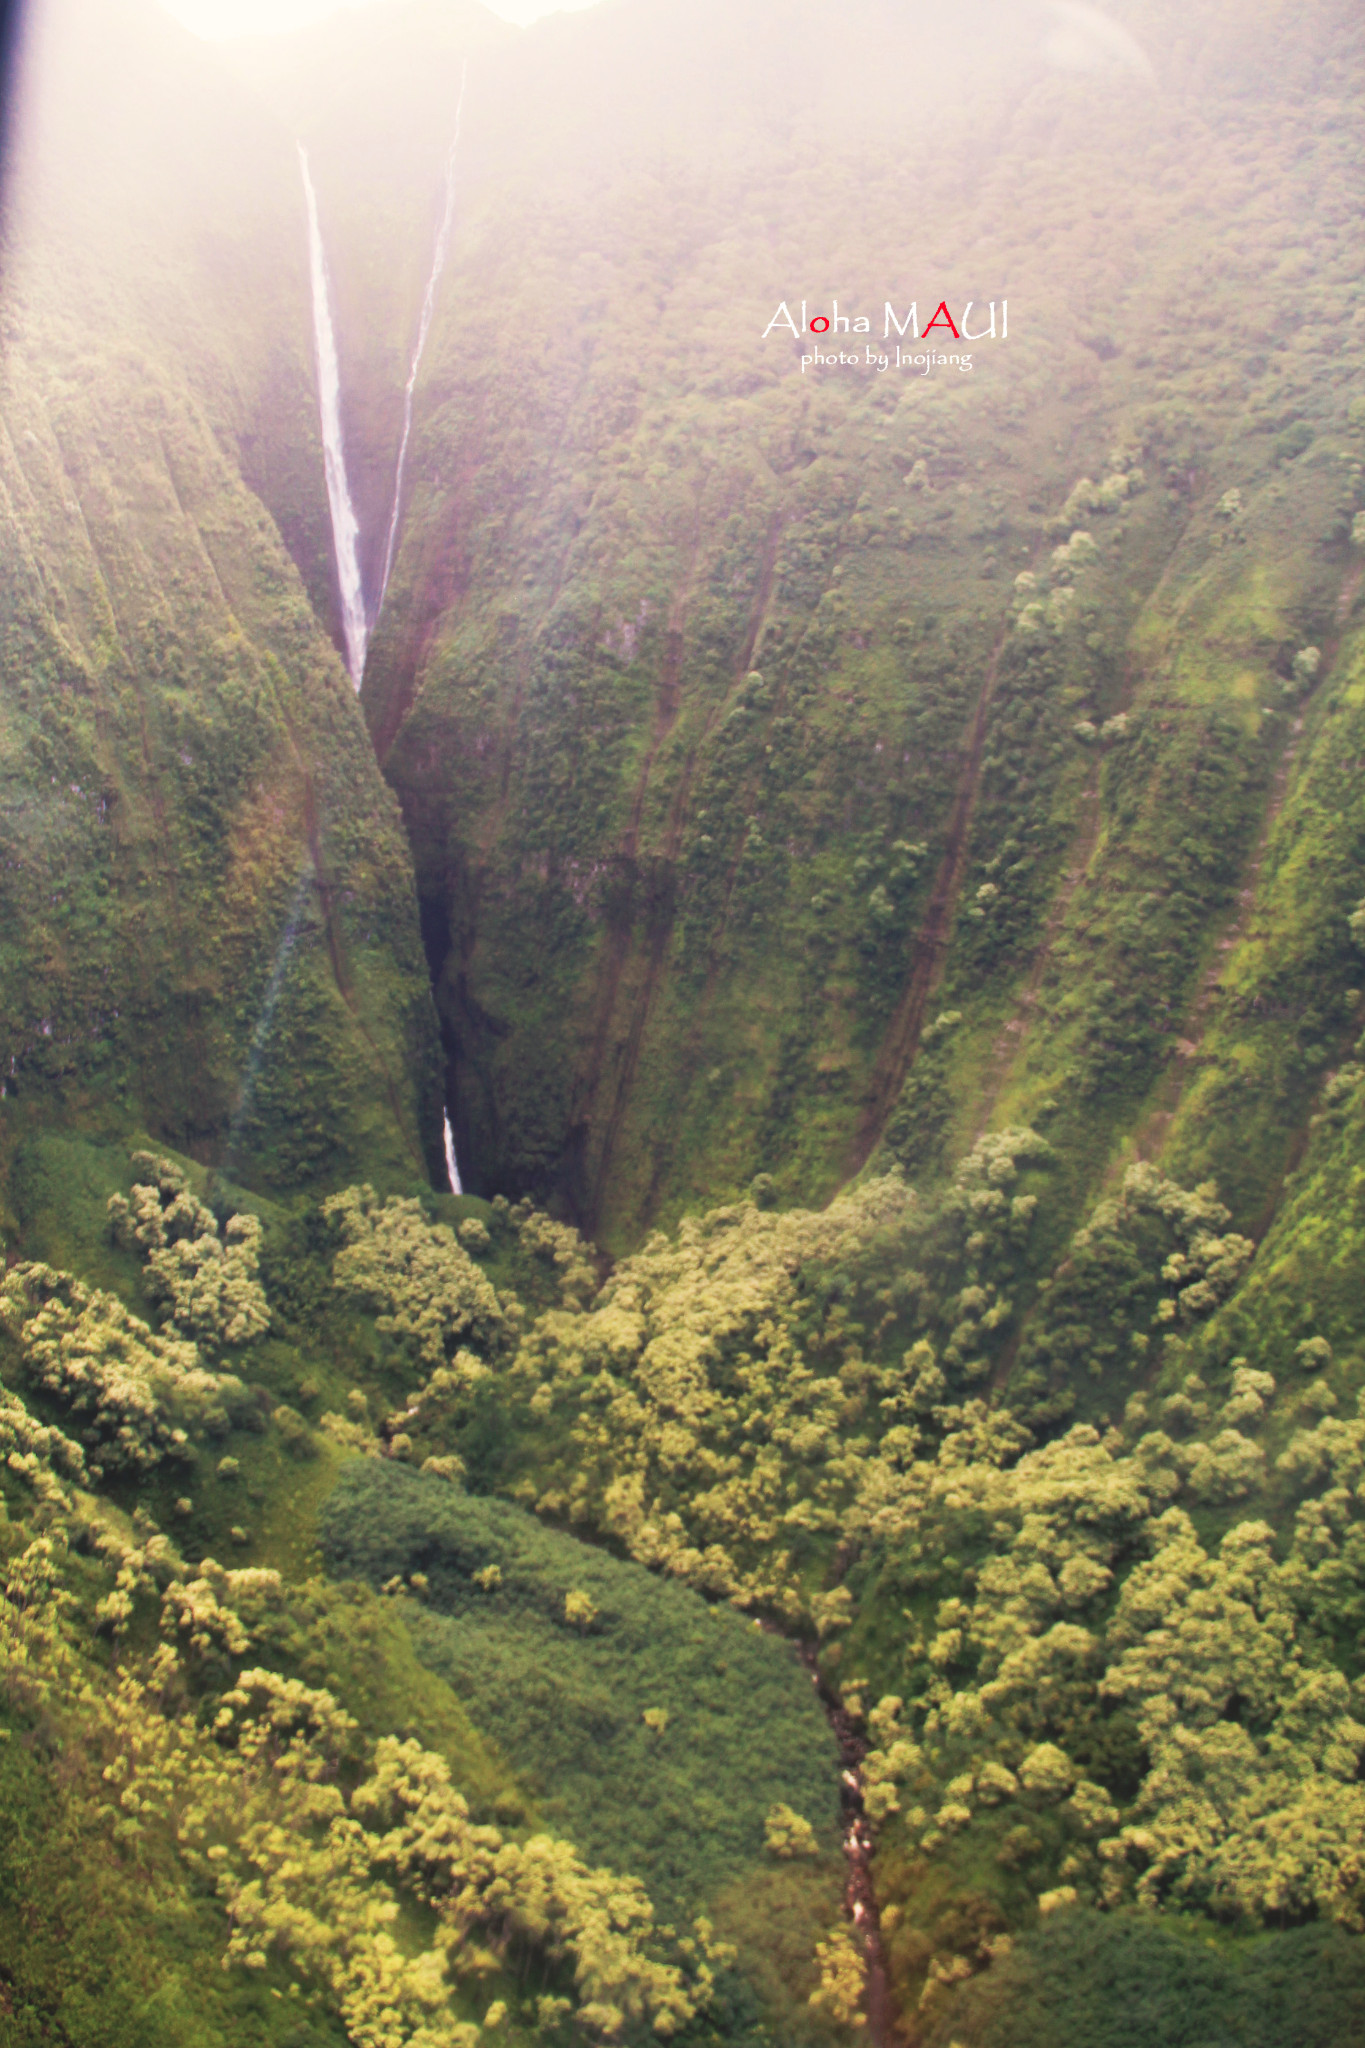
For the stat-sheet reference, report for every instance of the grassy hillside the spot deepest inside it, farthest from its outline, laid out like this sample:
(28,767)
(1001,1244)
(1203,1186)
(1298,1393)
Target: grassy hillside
(681,1799)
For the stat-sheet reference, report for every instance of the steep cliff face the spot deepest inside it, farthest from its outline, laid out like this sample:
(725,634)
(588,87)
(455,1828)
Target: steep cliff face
(747,716)
(779,769)
(374,98)
(209,928)
(731,749)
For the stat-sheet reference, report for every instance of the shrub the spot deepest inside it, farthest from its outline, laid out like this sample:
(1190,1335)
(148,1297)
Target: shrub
(422,1285)
(138,1396)
(207,1285)
(787,1834)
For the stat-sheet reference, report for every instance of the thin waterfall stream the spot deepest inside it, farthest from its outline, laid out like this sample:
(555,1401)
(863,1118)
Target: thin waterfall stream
(345,525)
(452,1164)
(283,955)
(356,624)
(438,264)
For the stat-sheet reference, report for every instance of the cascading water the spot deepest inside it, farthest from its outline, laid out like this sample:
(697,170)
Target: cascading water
(438,264)
(283,955)
(345,525)
(452,1164)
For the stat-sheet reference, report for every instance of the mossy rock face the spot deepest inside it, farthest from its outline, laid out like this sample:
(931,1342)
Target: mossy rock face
(207,928)
(210,931)
(729,750)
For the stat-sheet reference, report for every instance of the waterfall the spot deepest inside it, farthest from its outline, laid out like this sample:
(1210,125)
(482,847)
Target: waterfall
(452,1168)
(283,955)
(345,525)
(438,264)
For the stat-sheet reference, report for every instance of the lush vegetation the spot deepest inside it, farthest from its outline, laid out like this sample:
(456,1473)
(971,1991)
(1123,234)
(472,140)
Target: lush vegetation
(888,857)
(627,1706)
(1089,1670)
(1107,1981)
(248,1787)
(508,1792)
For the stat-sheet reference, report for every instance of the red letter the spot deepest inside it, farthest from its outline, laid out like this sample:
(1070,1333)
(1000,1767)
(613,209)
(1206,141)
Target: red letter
(942,307)
(819,325)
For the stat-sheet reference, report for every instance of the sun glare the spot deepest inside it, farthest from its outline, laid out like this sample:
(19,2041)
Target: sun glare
(219,20)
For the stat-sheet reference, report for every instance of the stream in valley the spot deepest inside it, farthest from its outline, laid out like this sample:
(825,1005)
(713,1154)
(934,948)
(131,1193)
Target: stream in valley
(860,1899)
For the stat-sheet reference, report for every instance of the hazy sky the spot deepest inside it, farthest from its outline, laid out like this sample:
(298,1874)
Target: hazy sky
(258,17)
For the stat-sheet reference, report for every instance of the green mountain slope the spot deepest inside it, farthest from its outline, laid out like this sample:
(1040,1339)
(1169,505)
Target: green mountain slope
(208,919)
(728,750)
(886,851)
